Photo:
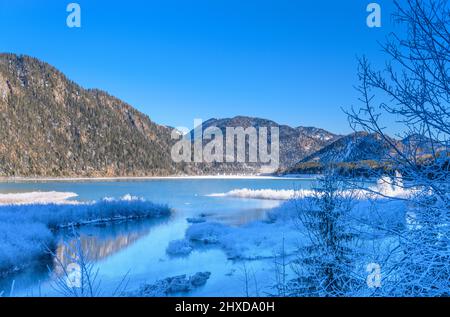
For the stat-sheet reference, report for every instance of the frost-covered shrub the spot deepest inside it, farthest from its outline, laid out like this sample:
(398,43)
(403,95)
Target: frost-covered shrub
(60,215)
(380,215)
(413,91)
(25,229)
(325,265)
(20,242)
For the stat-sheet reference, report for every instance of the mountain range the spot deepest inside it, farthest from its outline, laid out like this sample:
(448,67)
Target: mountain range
(52,127)
(294,144)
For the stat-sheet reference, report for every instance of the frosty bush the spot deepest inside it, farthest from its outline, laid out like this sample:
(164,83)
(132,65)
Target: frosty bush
(414,90)
(325,266)
(25,230)
(20,242)
(179,248)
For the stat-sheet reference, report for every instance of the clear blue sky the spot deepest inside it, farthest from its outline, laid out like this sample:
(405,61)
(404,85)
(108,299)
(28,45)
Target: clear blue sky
(292,61)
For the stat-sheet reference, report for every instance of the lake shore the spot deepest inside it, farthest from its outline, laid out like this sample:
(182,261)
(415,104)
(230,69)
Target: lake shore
(139,178)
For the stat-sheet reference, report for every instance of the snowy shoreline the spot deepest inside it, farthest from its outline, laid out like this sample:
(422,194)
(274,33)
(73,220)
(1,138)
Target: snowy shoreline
(37,197)
(184,177)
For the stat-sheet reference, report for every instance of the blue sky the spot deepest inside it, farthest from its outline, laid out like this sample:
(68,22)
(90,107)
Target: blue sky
(290,61)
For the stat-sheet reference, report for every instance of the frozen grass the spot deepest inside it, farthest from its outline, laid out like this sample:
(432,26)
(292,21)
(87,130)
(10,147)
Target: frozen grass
(20,243)
(383,187)
(25,229)
(57,216)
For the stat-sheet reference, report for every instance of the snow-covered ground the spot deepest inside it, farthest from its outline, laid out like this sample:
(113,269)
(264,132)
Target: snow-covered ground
(37,198)
(282,230)
(271,194)
(282,233)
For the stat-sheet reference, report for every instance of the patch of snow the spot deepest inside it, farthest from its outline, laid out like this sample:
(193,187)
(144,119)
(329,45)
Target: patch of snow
(386,186)
(256,240)
(37,197)
(392,187)
(179,248)
(208,233)
(270,194)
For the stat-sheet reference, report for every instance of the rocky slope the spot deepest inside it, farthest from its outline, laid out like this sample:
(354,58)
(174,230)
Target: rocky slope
(50,126)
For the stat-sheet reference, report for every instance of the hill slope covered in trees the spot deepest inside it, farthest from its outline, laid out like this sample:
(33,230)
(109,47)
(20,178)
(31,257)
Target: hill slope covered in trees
(51,126)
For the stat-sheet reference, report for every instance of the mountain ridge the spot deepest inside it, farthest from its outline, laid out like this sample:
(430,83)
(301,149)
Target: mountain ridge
(295,143)
(52,127)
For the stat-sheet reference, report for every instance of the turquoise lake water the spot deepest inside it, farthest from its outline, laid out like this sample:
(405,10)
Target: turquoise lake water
(137,249)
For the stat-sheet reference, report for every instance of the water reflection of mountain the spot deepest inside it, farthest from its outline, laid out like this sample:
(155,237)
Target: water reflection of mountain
(99,242)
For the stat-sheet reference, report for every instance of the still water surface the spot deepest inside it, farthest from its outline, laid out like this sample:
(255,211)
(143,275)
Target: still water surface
(138,248)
